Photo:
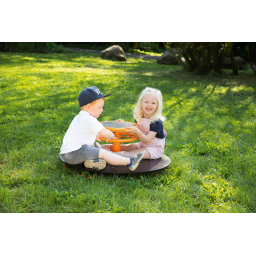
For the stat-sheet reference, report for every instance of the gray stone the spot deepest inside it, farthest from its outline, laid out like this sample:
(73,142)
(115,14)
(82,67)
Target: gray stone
(114,52)
(168,59)
(240,62)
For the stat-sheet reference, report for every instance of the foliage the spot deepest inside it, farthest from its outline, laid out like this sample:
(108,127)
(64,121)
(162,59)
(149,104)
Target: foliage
(136,47)
(240,49)
(210,125)
(201,58)
(32,47)
(251,48)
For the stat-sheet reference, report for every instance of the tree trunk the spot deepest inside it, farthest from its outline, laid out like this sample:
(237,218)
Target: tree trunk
(252,55)
(233,64)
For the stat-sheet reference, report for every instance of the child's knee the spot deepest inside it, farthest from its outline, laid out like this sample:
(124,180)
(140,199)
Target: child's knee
(103,153)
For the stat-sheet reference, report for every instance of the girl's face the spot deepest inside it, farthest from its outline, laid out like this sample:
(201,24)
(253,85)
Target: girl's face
(149,105)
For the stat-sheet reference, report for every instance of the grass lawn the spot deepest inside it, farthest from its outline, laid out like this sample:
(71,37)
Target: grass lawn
(210,125)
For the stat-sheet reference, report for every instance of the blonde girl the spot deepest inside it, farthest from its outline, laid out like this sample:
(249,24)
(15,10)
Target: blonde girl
(150,131)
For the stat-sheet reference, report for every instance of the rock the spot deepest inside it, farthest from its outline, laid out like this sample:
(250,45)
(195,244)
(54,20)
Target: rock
(168,59)
(240,62)
(114,52)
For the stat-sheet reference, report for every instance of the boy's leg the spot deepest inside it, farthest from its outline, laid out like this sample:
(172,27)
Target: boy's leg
(134,152)
(132,163)
(113,158)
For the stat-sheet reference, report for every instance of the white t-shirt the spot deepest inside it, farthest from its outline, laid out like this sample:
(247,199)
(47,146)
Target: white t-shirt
(82,130)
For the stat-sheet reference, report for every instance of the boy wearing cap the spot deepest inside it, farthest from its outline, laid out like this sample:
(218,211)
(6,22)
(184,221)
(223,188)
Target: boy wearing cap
(78,143)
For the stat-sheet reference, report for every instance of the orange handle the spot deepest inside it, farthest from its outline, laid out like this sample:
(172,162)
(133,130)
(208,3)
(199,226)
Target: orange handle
(118,133)
(133,138)
(119,129)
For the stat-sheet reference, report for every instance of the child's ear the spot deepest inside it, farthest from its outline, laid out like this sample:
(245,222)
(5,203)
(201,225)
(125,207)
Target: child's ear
(85,107)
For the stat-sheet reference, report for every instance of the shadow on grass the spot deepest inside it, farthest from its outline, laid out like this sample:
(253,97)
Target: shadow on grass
(30,58)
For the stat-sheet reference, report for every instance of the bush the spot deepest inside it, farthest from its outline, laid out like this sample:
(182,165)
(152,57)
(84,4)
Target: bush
(251,49)
(32,47)
(201,58)
(127,46)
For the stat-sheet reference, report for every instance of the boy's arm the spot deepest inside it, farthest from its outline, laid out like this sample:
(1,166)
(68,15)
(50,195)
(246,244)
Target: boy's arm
(107,134)
(143,137)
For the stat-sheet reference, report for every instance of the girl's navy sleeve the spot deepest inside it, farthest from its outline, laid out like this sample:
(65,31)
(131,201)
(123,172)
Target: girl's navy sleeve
(158,127)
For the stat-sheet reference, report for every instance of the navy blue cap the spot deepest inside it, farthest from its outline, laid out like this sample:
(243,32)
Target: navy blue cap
(89,95)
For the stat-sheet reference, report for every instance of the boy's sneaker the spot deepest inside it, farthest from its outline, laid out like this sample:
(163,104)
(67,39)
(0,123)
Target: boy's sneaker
(97,145)
(96,164)
(136,160)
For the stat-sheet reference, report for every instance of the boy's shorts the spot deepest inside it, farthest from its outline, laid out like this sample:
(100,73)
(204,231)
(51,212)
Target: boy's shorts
(86,152)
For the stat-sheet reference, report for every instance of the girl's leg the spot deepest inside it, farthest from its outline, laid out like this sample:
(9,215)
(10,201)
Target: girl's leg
(134,152)
(128,147)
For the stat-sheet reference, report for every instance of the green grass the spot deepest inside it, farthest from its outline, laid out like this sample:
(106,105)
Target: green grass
(210,124)
(146,52)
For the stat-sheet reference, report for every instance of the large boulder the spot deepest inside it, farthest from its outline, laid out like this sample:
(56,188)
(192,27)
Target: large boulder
(174,52)
(114,52)
(240,62)
(168,59)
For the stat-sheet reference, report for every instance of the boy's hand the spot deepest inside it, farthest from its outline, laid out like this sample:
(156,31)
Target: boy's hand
(119,120)
(115,138)
(98,137)
(133,129)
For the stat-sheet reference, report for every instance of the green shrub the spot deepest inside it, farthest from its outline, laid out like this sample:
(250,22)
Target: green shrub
(32,47)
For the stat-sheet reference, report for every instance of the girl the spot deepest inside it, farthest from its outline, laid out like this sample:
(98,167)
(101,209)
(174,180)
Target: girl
(150,131)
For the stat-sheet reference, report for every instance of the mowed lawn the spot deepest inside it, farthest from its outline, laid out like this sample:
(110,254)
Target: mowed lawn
(210,125)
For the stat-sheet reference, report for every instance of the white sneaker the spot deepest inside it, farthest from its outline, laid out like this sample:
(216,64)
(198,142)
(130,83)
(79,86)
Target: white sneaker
(96,164)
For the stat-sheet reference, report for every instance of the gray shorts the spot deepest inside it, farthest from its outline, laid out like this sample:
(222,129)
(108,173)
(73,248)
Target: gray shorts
(86,152)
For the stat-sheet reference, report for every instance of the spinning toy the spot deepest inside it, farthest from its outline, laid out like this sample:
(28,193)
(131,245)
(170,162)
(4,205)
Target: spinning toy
(120,131)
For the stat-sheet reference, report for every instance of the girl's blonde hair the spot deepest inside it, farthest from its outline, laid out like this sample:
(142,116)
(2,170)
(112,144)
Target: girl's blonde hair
(138,112)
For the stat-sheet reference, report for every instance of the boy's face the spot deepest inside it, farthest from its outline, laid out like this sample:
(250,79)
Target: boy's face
(96,109)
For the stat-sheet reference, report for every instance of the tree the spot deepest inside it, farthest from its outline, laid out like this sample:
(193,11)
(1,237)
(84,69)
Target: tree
(251,49)
(201,58)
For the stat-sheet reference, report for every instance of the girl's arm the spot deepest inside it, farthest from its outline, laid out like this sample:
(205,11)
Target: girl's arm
(143,137)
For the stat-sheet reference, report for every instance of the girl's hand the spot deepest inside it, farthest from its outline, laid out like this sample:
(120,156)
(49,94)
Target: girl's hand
(98,137)
(119,120)
(133,129)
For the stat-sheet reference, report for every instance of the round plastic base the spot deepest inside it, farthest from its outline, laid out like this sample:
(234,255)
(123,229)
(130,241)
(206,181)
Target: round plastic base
(144,166)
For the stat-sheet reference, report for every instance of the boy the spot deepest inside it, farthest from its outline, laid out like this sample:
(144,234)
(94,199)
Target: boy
(78,143)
